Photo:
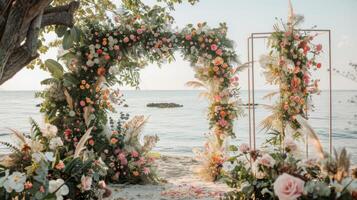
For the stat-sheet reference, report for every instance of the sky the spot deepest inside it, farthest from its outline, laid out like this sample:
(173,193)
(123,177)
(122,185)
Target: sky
(243,17)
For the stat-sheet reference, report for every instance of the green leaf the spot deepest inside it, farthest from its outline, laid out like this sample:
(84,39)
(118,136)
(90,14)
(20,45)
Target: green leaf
(60,30)
(233,148)
(49,81)
(69,80)
(75,34)
(54,68)
(67,42)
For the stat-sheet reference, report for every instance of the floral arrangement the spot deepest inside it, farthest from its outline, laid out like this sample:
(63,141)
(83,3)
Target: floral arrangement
(279,174)
(35,170)
(128,160)
(101,55)
(288,65)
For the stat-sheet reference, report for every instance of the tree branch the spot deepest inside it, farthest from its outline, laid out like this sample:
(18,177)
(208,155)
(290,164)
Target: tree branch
(61,15)
(22,57)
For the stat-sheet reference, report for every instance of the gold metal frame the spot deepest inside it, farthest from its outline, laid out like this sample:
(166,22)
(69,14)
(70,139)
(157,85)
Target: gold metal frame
(251,89)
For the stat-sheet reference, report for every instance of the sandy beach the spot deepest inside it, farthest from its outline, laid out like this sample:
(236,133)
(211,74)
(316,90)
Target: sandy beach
(180,183)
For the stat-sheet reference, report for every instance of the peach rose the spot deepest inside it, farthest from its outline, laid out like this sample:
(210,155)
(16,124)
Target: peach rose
(244,148)
(287,187)
(86,182)
(266,160)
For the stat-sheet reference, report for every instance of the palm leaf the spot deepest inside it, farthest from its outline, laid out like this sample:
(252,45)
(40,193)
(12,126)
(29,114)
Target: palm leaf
(81,146)
(68,99)
(195,84)
(270,95)
(242,67)
(86,115)
(19,135)
(314,139)
(267,123)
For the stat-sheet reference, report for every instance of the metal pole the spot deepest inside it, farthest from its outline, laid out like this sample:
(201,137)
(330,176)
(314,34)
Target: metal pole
(249,110)
(253,91)
(330,90)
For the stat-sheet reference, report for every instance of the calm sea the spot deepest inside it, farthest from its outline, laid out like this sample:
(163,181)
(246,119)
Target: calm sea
(181,129)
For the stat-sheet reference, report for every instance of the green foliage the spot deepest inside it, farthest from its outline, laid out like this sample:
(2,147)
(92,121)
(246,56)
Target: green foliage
(54,68)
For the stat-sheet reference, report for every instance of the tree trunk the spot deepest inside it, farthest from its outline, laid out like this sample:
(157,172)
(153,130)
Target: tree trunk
(20,24)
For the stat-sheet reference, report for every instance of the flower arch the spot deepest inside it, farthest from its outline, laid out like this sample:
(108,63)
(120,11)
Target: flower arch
(99,56)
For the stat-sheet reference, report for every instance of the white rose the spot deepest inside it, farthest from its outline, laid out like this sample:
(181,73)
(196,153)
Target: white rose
(55,143)
(49,131)
(62,191)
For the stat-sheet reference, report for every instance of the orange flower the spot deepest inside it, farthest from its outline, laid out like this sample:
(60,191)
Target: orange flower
(223,113)
(218,61)
(82,87)
(113,140)
(136,173)
(101,71)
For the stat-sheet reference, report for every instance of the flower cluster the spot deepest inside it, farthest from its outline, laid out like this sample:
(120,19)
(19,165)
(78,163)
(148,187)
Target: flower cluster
(291,59)
(128,160)
(35,171)
(269,175)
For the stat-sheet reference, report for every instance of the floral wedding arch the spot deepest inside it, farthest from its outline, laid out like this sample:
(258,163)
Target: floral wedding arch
(101,55)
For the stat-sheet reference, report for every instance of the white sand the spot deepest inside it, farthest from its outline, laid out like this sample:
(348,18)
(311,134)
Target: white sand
(182,183)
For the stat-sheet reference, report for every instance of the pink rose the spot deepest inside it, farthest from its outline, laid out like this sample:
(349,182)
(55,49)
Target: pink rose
(244,148)
(146,171)
(223,122)
(319,47)
(287,187)
(266,160)
(126,40)
(82,103)
(188,37)
(219,52)
(86,182)
(214,47)
(290,145)
(134,154)
(140,31)
(121,156)
(123,161)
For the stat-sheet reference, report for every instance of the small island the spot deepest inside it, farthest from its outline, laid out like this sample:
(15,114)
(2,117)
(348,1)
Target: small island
(164,105)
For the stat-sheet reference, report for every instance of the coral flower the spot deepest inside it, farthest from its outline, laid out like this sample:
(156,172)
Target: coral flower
(113,141)
(101,71)
(136,173)
(91,142)
(106,56)
(318,47)
(60,165)
(99,51)
(218,61)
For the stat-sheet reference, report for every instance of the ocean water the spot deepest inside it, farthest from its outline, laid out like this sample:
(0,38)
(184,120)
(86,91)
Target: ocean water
(181,129)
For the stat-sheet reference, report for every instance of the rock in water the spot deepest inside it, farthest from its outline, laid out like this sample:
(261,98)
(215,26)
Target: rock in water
(164,105)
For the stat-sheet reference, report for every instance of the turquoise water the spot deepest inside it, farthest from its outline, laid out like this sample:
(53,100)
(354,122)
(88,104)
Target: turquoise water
(181,129)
